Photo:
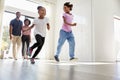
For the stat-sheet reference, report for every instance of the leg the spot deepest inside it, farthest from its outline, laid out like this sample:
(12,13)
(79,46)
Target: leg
(61,41)
(27,43)
(14,46)
(23,45)
(18,43)
(38,41)
(41,42)
(71,42)
(37,51)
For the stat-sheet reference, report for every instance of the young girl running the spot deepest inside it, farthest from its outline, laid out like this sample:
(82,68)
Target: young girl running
(66,32)
(40,24)
(25,38)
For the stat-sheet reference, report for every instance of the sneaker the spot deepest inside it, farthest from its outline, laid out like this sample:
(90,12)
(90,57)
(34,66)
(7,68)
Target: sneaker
(73,59)
(32,61)
(56,58)
(29,52)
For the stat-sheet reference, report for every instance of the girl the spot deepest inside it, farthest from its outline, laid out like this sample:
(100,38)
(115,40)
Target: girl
(40,24)
(25,37)
(66,32)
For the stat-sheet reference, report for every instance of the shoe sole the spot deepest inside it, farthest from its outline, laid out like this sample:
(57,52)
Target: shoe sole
(74,60)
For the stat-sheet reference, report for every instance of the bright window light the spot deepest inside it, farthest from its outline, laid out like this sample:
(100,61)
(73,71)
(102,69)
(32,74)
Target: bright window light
(22,4)
(28,5)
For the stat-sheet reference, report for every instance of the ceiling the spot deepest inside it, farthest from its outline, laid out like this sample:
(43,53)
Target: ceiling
(48,1)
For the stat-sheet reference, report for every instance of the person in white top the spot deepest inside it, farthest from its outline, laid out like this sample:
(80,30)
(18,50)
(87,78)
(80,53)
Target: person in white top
(40,23)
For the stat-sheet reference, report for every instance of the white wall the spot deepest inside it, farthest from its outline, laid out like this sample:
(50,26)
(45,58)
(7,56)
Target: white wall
(116,28)
(50,34)
(117,7)
(82,32)
(104,49)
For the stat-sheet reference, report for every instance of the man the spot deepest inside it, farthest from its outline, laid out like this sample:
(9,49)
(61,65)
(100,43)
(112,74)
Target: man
(15,33)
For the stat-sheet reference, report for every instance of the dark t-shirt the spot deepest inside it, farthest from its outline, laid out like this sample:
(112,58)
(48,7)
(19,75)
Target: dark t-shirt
(16,27)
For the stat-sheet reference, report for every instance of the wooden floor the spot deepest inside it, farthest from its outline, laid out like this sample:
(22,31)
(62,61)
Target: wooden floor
(50,70)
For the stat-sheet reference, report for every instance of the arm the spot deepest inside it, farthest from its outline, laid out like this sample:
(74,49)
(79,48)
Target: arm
(10,32)
(29,28)
(48,26)
(74,24)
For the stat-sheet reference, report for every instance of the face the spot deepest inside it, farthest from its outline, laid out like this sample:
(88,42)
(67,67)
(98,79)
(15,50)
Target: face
(18,14)
(66,9)
(26,22)
(42,12)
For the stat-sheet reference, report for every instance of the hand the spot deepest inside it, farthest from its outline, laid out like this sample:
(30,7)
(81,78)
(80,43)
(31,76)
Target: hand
(74,24)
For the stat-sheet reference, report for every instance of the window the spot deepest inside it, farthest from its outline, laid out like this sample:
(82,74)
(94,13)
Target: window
(27,7)
(6,43)
(23,4)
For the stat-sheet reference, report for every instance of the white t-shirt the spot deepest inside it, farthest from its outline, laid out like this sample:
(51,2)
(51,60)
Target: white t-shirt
(40,26)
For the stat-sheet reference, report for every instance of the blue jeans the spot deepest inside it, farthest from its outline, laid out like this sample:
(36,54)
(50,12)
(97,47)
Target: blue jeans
(70,38)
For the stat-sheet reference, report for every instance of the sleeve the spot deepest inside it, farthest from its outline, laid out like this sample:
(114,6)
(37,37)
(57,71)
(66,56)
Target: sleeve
(47,20)
(21,25)
(11,22)
(64,14)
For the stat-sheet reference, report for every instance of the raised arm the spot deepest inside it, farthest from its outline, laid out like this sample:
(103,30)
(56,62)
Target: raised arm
(29,27)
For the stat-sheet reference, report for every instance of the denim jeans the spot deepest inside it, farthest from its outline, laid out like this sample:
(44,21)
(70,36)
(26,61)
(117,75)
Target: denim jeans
(70,38)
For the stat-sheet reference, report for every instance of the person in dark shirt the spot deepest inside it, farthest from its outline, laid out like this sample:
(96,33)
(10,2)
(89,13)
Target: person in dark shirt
(15,33)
